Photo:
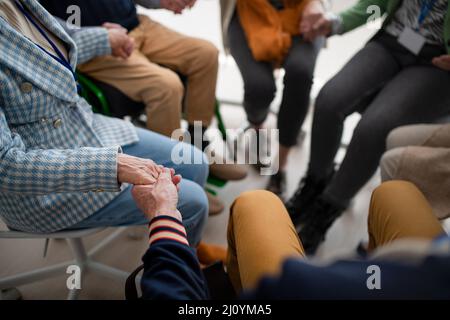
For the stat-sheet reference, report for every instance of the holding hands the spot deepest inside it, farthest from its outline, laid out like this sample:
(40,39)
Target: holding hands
(314,22)
(137,171)
(160,198)
(177,6)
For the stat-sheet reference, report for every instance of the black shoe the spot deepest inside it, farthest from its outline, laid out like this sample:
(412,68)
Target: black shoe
(277,184)
(323,213)
(307,192)
(256,149)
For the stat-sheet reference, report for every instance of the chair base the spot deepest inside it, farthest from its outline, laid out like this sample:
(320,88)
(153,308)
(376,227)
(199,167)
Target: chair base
(84,260)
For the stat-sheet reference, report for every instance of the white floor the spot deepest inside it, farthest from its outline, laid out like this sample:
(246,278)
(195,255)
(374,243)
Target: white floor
(203,21)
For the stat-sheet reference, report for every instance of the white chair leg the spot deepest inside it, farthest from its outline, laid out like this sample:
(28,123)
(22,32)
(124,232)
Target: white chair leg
(102,244)
(79,251)
(107,271)
(73,294)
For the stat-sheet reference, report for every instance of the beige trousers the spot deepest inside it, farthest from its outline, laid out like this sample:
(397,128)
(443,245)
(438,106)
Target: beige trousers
(150,75)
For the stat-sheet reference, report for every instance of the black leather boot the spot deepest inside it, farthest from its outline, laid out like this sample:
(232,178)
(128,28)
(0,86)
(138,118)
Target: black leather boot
(308,191)
(323,213)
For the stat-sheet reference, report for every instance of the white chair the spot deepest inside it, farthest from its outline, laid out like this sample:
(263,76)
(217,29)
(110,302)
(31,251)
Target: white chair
(81,257)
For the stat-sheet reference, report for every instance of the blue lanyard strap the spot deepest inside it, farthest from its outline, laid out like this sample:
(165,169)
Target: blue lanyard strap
(427,6)
(60,58)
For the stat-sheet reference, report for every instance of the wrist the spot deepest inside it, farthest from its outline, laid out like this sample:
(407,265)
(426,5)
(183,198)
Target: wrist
(167,228)
(173,213)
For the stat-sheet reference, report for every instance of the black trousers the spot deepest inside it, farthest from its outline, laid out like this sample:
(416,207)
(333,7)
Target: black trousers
(390,87)
(260,88)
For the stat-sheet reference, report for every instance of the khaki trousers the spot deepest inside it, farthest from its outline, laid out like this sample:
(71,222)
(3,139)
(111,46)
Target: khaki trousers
(261,235)
(150,76)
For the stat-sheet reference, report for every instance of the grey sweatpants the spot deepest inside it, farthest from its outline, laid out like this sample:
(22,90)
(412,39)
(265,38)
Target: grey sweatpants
(390,87)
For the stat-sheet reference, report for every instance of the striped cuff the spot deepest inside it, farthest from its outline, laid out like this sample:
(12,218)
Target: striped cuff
(167,228)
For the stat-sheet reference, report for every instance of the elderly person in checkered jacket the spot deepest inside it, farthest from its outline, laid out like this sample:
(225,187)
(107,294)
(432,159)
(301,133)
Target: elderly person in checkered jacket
(61,166)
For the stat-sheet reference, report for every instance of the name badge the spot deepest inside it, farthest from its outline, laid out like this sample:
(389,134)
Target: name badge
(412,40)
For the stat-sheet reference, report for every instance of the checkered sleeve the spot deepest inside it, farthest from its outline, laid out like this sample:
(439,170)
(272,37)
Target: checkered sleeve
(41,172)
(91,43)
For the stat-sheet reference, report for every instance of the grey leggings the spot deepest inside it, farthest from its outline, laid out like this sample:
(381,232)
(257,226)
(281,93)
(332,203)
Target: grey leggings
(390,88)
(259,82)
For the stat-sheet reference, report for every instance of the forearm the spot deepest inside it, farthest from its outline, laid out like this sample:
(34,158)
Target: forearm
(91,43)
(42,172)
(171,268)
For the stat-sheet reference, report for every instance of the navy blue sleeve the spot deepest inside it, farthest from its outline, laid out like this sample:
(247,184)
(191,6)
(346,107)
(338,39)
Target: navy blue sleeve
(171,268)
(348,280)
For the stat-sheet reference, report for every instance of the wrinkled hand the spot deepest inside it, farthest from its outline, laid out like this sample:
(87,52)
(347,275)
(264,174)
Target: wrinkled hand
(160,198)
(177,6)
(442,62)
(137,171)
(314,22)
(122,45)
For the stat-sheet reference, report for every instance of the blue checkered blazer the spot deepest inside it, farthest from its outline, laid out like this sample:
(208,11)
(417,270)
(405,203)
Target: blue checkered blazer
(58,160)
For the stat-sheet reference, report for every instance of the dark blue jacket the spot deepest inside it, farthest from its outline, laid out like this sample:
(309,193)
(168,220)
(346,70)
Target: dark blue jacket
(172,272)
(97,12)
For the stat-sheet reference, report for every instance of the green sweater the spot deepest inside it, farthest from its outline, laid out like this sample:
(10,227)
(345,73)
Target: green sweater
(358,15)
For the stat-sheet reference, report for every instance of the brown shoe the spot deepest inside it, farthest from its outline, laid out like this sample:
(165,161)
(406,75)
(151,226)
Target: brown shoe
(228,172)
(208,254)
(215,205)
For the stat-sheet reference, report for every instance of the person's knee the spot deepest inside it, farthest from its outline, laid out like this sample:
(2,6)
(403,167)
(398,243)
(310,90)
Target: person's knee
(201,167)
(208,54)
(328,105)
(195,213)
(395,138)
(171,87)
(247,204)
(389,164)
(194,161)
(299,73)
(385,194)
(260,91)
(371,133)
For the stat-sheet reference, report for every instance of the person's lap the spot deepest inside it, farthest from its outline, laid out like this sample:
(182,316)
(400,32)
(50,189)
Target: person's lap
(193,205)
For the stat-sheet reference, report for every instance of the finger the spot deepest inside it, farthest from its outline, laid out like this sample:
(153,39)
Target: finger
(442,65)
(142,178)
(445,58)
(176,180)
(166,175)
(178,6)
(129,47)
(122,53)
